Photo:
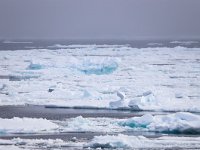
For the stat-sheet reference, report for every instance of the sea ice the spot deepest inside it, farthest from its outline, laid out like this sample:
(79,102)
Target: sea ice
(147,99)
(109,141)
(34,67)
(122,103)
(80,124)
(26,125)
(180,122)
(30,144)
(121,141)
(98,67)
(90,75)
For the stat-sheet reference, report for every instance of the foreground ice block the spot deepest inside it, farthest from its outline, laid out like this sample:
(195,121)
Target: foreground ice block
(121,141)
(181,122)
(26,125)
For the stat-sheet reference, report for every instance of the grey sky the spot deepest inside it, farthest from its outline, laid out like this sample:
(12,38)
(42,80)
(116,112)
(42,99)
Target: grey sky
(109,19)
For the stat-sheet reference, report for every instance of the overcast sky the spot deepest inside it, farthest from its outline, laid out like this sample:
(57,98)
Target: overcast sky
(99,19)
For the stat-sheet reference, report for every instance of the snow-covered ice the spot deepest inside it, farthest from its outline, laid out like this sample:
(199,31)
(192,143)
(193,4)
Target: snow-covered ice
(180,122)
(140,142)
(30,144)
(80,124)
(119,141)
(159,78)
(26,125)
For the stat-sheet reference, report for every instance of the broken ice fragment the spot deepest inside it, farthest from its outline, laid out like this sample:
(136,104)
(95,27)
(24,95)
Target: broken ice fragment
(97,67)
(138,122)
(148,97)
(33,66)
(121,95)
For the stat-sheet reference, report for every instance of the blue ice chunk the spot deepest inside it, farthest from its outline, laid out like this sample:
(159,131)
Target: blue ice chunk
(34,67)
(138,122)
(100,69)
(133,124)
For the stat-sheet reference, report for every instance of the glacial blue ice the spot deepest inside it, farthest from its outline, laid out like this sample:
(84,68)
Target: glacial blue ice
(99,69)
(34,67)
(138,122)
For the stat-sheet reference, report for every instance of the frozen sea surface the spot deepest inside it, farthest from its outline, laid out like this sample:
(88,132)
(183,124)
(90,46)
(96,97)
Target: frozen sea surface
(102,76)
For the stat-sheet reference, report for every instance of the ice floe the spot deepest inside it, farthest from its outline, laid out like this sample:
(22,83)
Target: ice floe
(26,125)
(19,144)
(180,122)
(139,142)
(119,141)
(80,124)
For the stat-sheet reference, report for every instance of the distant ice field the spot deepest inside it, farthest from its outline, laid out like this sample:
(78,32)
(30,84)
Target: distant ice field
(103,76)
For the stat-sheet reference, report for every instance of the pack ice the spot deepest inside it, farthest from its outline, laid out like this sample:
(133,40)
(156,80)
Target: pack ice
(102,76)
